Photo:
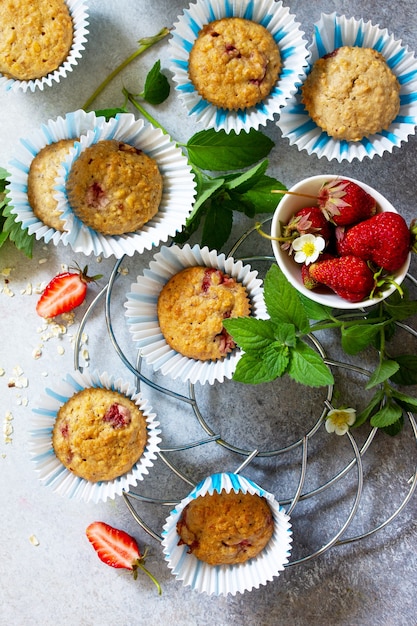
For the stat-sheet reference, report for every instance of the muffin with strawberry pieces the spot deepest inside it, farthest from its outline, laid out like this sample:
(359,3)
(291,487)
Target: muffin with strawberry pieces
(351,93)
(99,434)
(191,308)
(226,528)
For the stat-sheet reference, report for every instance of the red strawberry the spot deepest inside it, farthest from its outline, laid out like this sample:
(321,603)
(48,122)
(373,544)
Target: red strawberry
(344,202)
(64,292)
(308,281)
(383,239)
(117,549)
(308,220)
(348,276)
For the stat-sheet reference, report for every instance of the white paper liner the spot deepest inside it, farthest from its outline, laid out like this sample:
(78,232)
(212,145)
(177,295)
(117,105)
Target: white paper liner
(292,270)
(142,317)
(79,14)
(287,34)
(333,31)
(179,189)
(72,126)
(225,579)
(50,470)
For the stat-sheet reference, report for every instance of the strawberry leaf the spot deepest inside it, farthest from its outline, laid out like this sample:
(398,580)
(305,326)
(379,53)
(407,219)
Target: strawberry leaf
(307,367)
(383,372)
(387,415)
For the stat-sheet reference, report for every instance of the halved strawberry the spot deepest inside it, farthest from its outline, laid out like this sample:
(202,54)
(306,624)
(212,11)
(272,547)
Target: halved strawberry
(64,293)
(118,549)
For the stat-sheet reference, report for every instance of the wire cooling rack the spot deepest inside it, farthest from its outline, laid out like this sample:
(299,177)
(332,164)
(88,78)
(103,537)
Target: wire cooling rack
(245,457)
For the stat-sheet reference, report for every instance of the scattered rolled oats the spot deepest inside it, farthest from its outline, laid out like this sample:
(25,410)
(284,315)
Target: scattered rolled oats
(34,540)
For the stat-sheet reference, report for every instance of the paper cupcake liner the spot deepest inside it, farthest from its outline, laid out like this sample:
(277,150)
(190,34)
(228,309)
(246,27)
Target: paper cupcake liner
(287,33)
(50,470)
(333,32)
(72,126)
(79,13)
(142,317)
(225,579)
(178,192)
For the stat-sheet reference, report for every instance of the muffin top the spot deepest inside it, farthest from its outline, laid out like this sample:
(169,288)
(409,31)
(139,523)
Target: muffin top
(351,93)
(35,37)
(99,434)
(226,528)
(234,63)
(191,308)
(43,171)
(114,188)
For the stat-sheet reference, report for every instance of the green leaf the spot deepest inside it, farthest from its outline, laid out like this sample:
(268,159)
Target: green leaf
(217,227)
(219,151)
(314,310)
(407,372)
(369,409)
(400,308)
(250,334)
(358,337)
(285,334)
(252,370)
(243,182)
(408,403)
(156,88)
(395,428)
(282,301)
(206,188)
(12,230)
(307,367)
(109,113)
(383,372)
(236,202)
(261,197)
(386,416)
(276,357)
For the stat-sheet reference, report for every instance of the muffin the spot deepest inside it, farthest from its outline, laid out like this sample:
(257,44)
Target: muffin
(41,182)
(35,37)
(191,308)
(114,188)
(234,63)
(99,434)
(226,528)
(351,93)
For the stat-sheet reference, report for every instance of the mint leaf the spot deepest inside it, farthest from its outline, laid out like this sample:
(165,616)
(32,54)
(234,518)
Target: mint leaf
(408,403)
(407,372)
(250,333)
(156,88)
(261,197)
(10,228)
(253,370)
(220,152)
(383,372)
(387,415)
(206,188)
(282,301)
(217,226)
(400,308)
(395,428)
(109,113)
(276,357)
(369,409)
(314,310)
(243,182)
(358,337)
(307,367)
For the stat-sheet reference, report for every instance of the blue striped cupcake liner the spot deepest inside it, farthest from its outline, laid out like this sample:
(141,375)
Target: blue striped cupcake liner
(331,32)
(287,34)
(228,579)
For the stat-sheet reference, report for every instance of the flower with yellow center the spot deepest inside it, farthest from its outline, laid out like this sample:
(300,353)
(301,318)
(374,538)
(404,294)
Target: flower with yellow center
(307,248)
(339,420)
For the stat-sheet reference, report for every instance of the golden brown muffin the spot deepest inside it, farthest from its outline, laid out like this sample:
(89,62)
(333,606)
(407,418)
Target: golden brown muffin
(35,37)
(226,528)
(191,308)
(99,434)
(351,93)
(234,63)
(114,187)
(41,180)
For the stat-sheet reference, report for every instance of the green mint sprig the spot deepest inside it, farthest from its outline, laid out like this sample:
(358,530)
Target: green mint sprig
(278,346)
(9,228)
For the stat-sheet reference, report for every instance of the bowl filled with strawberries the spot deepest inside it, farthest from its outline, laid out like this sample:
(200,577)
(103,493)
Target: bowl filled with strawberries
(339,242)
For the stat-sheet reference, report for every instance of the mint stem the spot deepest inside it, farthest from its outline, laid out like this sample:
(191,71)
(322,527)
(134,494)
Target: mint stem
(143,111)
(144,44)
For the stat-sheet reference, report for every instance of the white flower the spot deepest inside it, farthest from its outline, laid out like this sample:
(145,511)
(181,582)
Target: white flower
(339,420)
(307,248)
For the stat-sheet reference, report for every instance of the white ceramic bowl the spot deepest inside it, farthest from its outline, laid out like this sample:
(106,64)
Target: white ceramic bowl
(291,204)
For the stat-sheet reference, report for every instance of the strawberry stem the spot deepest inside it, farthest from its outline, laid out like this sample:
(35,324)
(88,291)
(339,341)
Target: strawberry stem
(151,576)
(294,193)
(258,227)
